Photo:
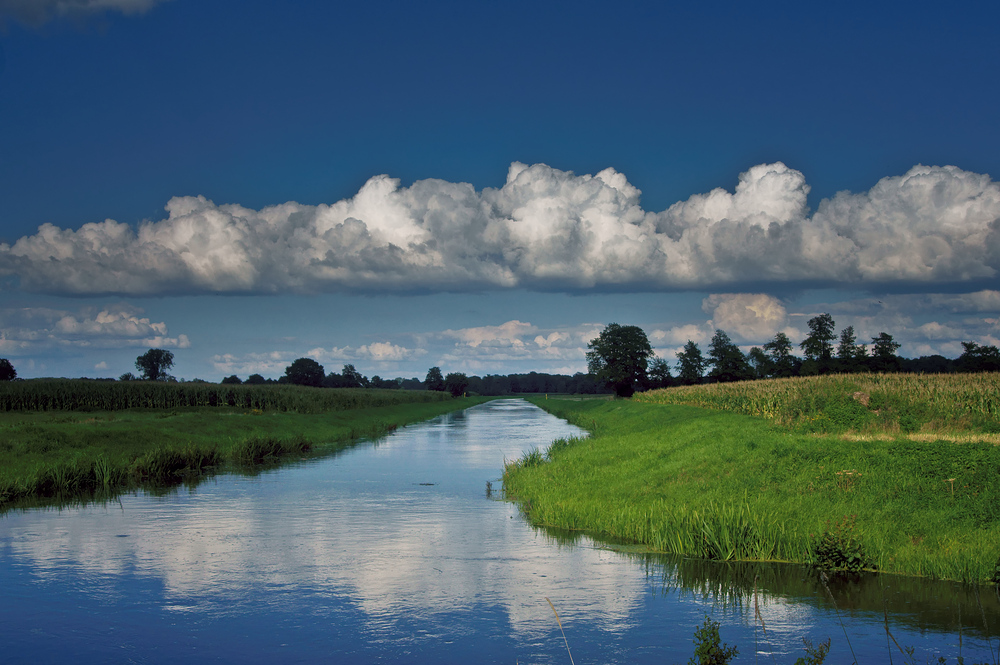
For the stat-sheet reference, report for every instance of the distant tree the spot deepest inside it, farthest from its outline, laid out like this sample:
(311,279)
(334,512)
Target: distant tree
(384,384)
(7,371)
(936,364)
(884,358)
(619,357)
(353,378)
(848,344)
(456,383)
(255,380)
(154,364)
(235,380)
(818,344)
(727,361)
(304,372)
(128,376)
(691,364)
(978,358)
(759,363)
(412,384)
(779,351)
(659,374)
(434,380)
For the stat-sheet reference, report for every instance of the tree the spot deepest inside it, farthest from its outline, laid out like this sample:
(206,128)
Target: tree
(619,356)
(691,364)
(850,354)
(434,380)
(659,374)
(456,383)
(779,350)
(978,358)
(154,364)
(759,363)
(234,380)
(7,371)
(884,358)
(728,362)
(353,378)
(128,376)
(818,345)
(304,372)
(254,380)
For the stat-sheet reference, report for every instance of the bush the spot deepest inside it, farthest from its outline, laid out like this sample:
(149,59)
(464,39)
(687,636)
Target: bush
(838,549)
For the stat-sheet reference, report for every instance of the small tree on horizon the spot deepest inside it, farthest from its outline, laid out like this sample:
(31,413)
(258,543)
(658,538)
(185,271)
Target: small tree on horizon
(728,362)
(154,364)
(619,356)
(304,372)
(456,383)
(434,380)
(7,371)
(690,364)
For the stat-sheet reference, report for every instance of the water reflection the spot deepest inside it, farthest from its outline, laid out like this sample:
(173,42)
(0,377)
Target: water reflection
(389,552)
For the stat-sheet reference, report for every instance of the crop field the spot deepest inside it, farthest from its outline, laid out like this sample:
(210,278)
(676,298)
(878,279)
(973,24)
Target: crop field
(89,395)
(956,404)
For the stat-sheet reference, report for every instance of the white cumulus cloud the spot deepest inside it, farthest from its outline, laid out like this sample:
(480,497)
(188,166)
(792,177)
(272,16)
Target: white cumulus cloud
(113,326)
(543,229)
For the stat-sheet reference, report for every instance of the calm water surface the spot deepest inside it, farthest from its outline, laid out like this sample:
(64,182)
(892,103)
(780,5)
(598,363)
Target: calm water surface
(392,552)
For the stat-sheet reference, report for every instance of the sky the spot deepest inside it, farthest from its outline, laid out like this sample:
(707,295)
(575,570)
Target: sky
(483,187)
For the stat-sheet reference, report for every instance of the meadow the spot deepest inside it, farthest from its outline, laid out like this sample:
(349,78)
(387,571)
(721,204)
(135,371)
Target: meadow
(71,439)
(901,478)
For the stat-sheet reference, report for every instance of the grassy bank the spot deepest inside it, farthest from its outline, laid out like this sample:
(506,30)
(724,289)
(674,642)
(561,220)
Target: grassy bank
(69,454)
(720,485)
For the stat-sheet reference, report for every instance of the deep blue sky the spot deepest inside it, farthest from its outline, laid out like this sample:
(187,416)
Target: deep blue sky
(105,114)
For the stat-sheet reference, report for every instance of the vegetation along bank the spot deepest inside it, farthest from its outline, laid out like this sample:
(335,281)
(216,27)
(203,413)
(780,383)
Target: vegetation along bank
(76,439)
(878,472)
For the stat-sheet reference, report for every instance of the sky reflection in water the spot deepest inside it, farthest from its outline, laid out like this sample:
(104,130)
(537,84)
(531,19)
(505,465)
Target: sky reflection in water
(386,553)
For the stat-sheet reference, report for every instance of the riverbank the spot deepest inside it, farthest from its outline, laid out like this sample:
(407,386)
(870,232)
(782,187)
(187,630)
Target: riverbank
(80,454)
(727,486)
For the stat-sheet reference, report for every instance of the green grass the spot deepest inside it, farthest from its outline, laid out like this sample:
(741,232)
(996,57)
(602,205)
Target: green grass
(726,486)
(68,454)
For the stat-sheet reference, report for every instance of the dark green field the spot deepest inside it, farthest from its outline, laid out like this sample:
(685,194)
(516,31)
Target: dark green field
(57,441)
(727,486)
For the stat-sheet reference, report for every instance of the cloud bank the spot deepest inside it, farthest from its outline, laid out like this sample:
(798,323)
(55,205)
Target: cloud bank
(545,229)
(29,330)
(39,12)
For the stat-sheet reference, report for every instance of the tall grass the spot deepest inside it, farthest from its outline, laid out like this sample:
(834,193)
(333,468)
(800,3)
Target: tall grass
(89,395)
(859,402)
(724,486)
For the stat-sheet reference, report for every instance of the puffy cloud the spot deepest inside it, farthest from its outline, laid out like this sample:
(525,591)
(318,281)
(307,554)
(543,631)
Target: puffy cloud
(507,334)
(380,352)
(751,316)
(113,326)
(544,229)
(38,12)
(272,363)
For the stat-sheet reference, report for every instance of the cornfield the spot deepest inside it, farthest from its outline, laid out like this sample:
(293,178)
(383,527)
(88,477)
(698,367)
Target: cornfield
(862,402)
(89,395)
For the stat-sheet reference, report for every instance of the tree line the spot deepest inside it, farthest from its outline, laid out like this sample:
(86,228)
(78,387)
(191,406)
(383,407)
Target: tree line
(622,358)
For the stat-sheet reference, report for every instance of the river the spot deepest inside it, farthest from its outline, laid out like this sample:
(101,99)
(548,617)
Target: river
(393,552)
